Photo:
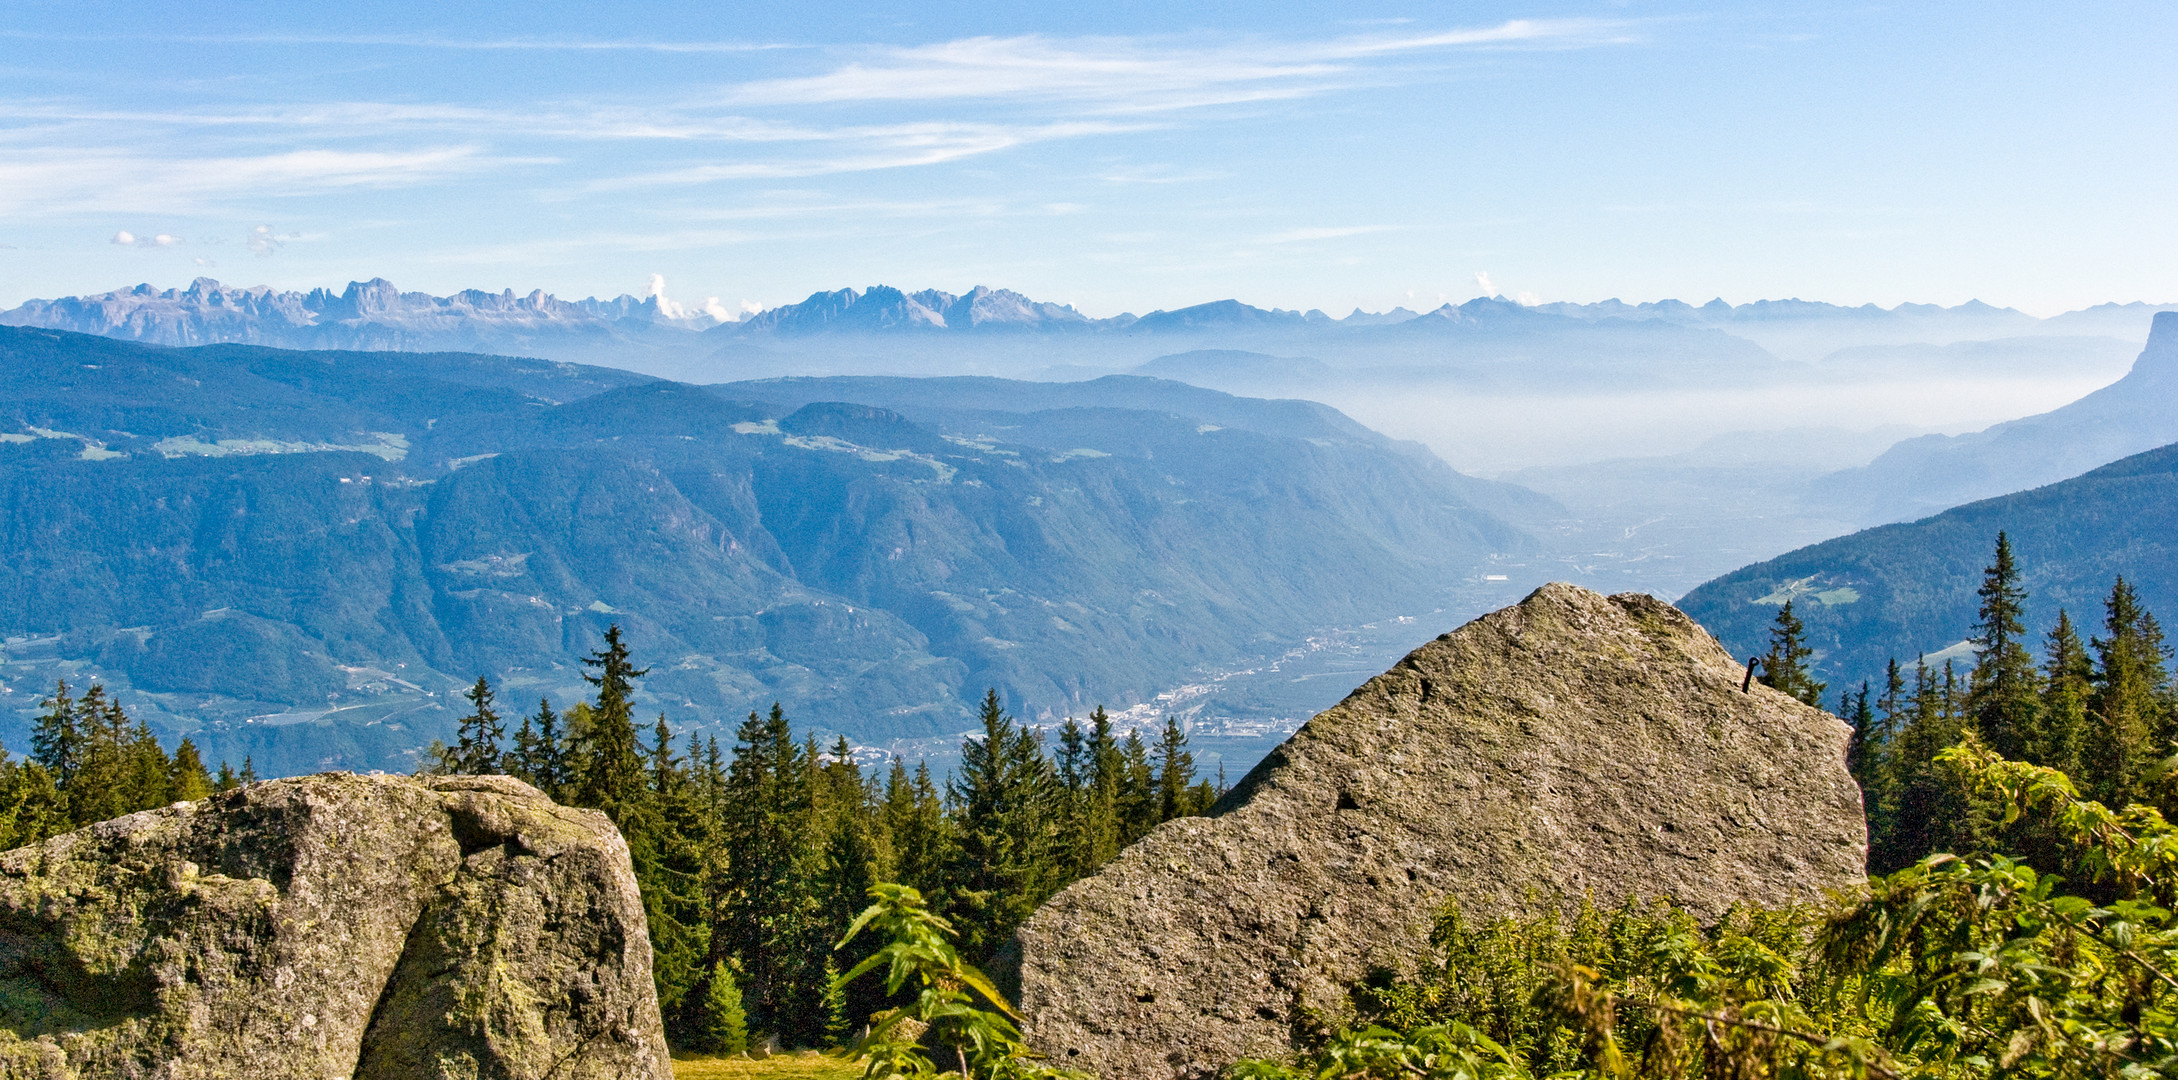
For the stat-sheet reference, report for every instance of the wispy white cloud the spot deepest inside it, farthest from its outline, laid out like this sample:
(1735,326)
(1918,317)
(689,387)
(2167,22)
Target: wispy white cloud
(872,149)
(1301,236)
(419,41)
(1134,74)
(967,98)
(58,179)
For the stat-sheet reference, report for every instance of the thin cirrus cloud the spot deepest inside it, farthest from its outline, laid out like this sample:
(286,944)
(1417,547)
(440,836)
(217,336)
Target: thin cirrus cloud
(966,98)
(1128,74)
(873,149)
(56,180)
(1303,236)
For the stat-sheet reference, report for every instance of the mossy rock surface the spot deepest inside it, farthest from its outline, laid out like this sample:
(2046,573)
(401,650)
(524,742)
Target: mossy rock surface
(1571,745)
(331,926)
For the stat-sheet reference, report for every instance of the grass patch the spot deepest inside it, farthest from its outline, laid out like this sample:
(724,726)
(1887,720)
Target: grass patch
(802,1065)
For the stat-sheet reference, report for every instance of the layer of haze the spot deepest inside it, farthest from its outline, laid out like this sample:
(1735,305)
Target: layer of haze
(1123,156)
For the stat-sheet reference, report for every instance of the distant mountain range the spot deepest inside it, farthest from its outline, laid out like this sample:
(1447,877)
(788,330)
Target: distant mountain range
(979,331)
(1908,590)
(302,556)
(1926,474)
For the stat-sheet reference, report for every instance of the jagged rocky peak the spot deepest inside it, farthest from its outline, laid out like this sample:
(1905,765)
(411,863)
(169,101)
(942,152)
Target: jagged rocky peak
(1571,745)
(883,307)
(333,925)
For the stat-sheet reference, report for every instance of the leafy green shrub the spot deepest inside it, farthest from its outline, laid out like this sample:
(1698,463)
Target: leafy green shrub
(982,1040)
(1948,968)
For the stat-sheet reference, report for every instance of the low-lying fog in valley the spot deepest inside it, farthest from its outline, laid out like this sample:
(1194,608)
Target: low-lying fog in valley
(1644,448)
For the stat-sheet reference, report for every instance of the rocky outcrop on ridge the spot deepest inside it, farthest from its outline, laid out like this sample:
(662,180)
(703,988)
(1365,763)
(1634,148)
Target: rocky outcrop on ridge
(331,926)
(1570,745)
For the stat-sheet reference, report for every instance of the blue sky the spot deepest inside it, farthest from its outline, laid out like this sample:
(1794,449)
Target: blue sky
(1119,156)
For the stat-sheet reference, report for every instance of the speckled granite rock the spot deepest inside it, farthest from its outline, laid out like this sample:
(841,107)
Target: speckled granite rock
(1570,744)
(331,926)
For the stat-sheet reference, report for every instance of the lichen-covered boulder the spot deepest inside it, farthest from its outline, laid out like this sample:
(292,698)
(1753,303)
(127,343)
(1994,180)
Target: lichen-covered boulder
(1570,745)
(331,926)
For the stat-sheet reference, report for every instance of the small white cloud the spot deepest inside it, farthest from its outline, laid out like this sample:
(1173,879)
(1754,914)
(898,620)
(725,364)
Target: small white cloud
(202,261)
(1483,282)
(716,310)
(751,307)
(125,238)
(667,308)
(1528,299)
(263,241)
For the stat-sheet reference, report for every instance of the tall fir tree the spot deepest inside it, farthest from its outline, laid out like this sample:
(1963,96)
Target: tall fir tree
(2068,681)
(2004,701)
(2128,710)
(186,778)
(57,740)
(767,919)
(1006,851)
(1785,666)
(609,768)
(1175,773)
(667,845)
(1927,809)
(1138,805)
(476,750)
(1104,824)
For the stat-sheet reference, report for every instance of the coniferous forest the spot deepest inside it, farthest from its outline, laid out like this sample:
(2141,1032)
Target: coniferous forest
(753,858)
(2017,920)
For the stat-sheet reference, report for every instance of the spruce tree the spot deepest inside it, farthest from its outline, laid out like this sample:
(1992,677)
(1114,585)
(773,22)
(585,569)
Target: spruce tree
(609,770)
(57,740)
(476,748)
(147,769)
(1006,852)
(1928,810)
(2128,710)
(1785,666)
(1175,773)
(838,1028)
(186,778)
(1138,804)
(99,789)
(768,914)
(2068,681)
(916,825)
(725,1026)
(1077,777)
(1864,748)
(547,759)
(667,837)
(35,808)
(2004,703)
(1104,825)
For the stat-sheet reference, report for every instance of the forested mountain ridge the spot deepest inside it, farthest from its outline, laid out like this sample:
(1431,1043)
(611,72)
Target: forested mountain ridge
(1907,590)
(334,542)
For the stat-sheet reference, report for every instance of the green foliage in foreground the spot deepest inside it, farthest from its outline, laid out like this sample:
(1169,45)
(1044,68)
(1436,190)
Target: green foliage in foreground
(954,1012)
(1950,968)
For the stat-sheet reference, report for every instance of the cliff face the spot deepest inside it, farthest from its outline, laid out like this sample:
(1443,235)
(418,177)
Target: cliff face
(331,926)
(1572,744)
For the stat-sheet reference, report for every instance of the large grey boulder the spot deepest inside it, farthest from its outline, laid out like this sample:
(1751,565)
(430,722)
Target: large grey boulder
(1570,745)
(331,926)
